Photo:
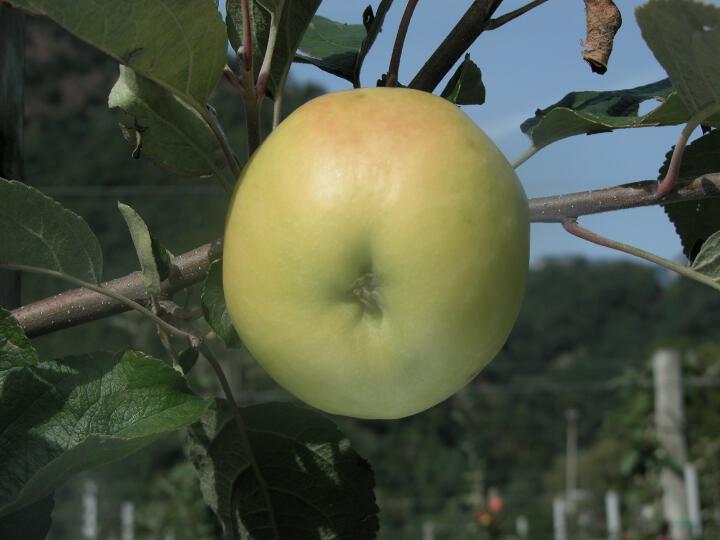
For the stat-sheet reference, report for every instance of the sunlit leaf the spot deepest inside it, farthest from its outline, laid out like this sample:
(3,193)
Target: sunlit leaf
(146,249)
(64,416)
(684,36)
(178,44)
(340,48)
(164,128)
(708,260)
(599,112)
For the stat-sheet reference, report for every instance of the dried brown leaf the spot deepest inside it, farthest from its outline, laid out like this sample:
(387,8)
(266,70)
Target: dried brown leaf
(603,20)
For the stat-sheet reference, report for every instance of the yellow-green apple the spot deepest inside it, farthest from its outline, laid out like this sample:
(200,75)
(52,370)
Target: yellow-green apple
(376,252)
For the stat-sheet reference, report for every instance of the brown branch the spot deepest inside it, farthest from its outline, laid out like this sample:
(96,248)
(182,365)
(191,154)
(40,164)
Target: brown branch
(504,19)
(556,209)
(78,306)
(464,34)
(392,77)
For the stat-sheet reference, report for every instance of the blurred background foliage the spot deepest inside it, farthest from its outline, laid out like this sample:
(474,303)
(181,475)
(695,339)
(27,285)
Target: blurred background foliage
(583,341)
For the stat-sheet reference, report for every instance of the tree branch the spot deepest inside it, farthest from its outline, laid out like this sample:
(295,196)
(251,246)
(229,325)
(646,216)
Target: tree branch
(504,19)
(558,208)
(464,34)
(78,306)
(392,77)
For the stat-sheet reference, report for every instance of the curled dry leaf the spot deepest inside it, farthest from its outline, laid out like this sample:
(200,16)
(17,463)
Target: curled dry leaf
(603,20)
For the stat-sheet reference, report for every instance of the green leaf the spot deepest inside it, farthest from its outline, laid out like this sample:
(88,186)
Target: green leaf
(313,484)
(214,307)
(465,87)
(684,36)
(292,16)
(64,416)
(332,46)
(599,112)
(708,260)
(15,347)
(695,221)
(31,523)
(163,258)
(147,249)
(340,48)
(37,231)
(178,44)
(169,131)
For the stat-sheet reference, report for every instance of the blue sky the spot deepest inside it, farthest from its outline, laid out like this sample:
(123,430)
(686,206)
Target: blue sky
(529,64)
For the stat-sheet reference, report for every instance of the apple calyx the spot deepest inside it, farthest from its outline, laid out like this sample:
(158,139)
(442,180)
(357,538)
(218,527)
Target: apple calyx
(366,290)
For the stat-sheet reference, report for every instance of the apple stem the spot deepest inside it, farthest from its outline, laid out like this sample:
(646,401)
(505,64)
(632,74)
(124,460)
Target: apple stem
(392,77)
(571,226)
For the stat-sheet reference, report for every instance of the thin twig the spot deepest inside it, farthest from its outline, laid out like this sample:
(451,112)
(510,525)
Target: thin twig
(242,428)
(667,183)
(571,226)
(392,77)
(504,19)
(107,292)
(464,34)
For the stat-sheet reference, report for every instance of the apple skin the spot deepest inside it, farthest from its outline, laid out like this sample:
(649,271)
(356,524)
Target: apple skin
(376,252)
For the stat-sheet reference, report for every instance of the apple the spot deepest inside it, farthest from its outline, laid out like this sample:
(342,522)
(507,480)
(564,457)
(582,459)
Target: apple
(376,252)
